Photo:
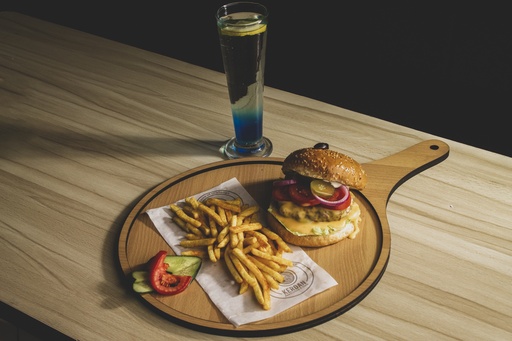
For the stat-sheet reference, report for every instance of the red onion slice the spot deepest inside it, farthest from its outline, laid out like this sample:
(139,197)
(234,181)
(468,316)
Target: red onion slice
(285,182)
(345,192)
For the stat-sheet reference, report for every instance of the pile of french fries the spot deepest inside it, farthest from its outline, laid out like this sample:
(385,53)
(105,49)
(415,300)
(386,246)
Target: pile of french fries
(225,229)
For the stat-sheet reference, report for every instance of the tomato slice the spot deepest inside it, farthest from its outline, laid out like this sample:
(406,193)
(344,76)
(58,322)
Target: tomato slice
(163,282)
(301,194)
(341,206)
(280,193)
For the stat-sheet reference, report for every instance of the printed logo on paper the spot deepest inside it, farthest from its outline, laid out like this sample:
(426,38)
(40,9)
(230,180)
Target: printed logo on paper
(297,280)
(220,194)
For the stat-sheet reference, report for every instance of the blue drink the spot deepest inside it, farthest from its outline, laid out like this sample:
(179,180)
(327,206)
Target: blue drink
(242,31)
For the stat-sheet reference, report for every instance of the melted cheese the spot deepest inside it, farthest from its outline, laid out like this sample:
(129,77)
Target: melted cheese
(321,228)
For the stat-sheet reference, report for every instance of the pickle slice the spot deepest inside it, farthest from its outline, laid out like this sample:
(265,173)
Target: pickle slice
(322,188)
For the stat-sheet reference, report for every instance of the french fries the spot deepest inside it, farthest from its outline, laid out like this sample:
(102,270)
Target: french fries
(227,229)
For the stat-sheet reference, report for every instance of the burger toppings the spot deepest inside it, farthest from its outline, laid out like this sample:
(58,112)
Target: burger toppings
(308,206)
(329,195)
(311,192)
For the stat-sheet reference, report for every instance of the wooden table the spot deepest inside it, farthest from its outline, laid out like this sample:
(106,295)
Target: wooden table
(89,126)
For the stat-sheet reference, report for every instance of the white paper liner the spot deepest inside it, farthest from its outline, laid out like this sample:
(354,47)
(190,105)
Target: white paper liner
(303,280)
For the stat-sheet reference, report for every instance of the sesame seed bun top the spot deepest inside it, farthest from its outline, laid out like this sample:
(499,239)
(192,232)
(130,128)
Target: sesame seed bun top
(326,164)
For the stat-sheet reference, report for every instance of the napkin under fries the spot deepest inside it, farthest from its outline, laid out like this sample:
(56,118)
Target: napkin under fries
(302,280)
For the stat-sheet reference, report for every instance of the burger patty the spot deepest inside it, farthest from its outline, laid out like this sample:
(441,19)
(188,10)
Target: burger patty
(312,213)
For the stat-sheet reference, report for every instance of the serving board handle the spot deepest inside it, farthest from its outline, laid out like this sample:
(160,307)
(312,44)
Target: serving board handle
(387,174)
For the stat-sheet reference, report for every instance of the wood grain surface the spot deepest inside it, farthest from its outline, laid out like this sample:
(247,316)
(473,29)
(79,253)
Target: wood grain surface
(89,127)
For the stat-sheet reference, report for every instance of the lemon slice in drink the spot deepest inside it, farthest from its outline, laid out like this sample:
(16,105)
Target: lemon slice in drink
(241,31)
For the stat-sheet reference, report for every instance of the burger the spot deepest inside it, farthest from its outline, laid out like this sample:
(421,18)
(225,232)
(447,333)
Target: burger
(313,204)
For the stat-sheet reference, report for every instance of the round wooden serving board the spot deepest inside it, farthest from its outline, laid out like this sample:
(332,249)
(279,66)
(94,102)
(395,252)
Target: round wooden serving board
(356,264)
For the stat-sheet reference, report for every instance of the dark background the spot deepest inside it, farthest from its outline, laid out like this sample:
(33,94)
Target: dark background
(440,67)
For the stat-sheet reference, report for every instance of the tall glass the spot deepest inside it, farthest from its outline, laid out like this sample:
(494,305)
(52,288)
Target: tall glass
(242,28)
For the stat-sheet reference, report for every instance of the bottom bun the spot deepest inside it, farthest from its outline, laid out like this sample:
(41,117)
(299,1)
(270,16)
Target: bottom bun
(308,240)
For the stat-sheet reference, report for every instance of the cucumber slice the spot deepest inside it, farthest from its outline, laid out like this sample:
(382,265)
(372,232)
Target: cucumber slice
(183,265)
(141,283)
(142,287)
(140,276)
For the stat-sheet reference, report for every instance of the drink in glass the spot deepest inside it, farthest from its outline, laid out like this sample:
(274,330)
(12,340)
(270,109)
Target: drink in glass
(242,28)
